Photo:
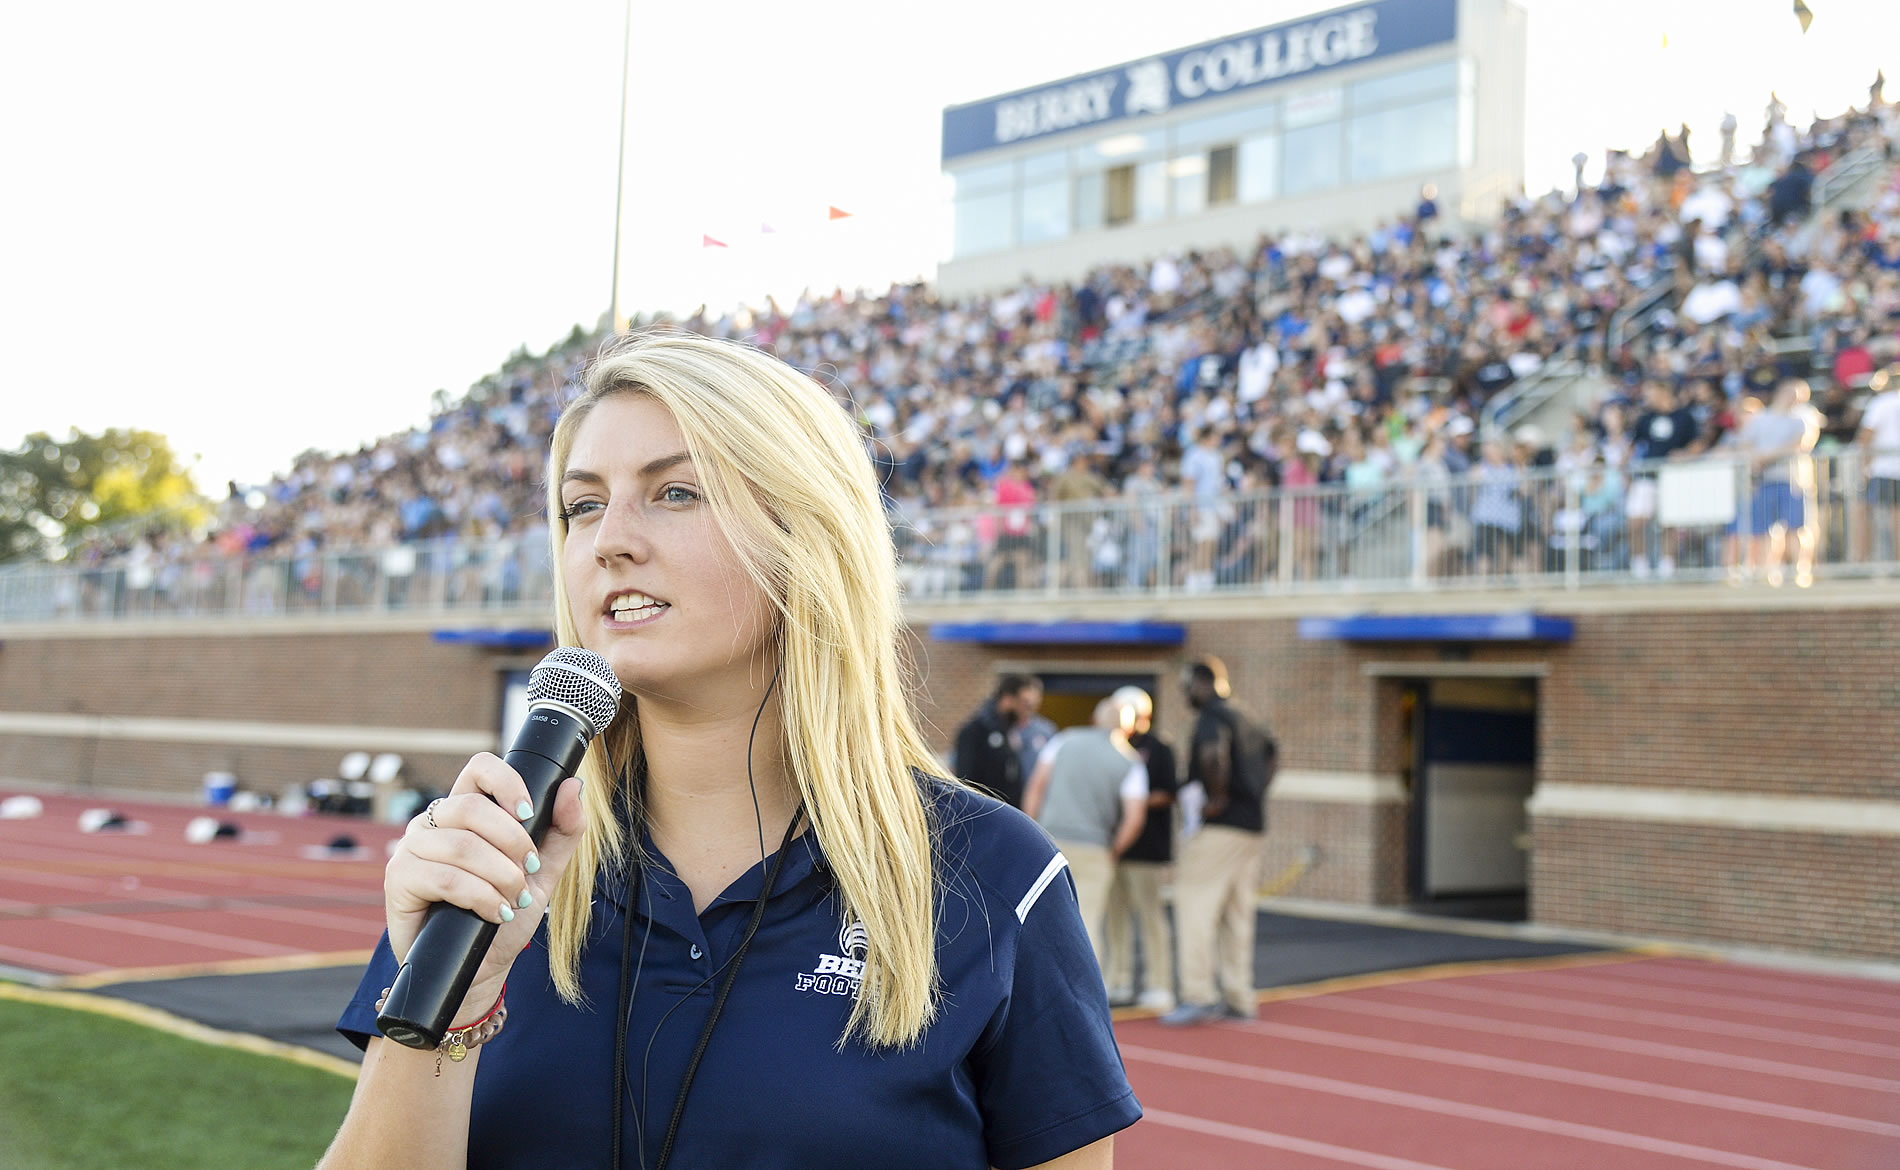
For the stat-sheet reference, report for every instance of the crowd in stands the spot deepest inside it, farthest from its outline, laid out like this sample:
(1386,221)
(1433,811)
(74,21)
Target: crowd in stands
(1293,364)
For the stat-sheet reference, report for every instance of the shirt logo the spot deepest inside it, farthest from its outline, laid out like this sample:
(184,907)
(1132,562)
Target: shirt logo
(843,973)
(853,940)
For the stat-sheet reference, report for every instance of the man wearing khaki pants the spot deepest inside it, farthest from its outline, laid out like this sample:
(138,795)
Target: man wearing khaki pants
(1134,901)
(1218,873)
(1090,793)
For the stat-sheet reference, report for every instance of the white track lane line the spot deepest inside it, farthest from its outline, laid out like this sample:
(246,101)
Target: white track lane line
(1281,1141)
(1565,1076)
(1885,1022)
(198,859)
(158,899)
(1443,1108)
(1572,1036)
(181,934)
(55,964)
(1560,1005)
(1795,989)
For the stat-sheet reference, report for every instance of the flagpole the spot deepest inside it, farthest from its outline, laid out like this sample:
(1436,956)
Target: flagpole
(620,169)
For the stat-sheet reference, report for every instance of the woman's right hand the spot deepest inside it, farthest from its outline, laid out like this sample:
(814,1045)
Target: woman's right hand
(478,855)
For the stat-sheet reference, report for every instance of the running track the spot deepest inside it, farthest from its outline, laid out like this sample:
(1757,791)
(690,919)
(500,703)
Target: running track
(1580,1063)
(89,906)
(1632,1064)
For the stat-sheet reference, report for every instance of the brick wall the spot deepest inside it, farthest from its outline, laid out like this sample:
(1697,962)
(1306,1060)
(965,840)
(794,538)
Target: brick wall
(384,678)
(1799,702)
(1341,852)
(1828,893)
(1793,701)
(375,679)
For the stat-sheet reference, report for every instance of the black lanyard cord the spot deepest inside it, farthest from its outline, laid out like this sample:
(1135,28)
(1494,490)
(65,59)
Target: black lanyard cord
(620,1033)
(719,1002)
(725,989)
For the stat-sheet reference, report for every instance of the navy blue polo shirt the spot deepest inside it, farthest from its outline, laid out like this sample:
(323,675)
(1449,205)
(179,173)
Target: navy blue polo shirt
(1019,1067)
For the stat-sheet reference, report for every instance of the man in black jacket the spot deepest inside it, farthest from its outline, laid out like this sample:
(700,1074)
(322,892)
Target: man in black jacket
(987,749)
(1218,875)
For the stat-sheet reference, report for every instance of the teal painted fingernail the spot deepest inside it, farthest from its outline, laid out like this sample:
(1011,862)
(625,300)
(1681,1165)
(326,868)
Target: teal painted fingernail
(507,915)
(533,864)
(526,900)
(524,810)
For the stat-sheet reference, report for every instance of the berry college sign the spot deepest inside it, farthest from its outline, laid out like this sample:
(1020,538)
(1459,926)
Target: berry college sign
(1158,84)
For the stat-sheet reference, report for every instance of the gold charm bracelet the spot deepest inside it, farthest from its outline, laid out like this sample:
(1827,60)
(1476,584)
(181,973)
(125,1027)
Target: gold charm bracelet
(457,1041)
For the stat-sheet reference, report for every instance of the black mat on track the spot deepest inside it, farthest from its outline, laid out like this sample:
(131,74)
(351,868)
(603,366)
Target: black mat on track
(301,1007)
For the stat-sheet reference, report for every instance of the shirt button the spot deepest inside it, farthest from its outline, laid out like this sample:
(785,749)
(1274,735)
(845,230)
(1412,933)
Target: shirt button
(696,951)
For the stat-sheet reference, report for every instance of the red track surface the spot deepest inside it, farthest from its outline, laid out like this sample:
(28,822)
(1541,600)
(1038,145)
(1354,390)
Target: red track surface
(83,904)
(1641,1064)
(1634,1065)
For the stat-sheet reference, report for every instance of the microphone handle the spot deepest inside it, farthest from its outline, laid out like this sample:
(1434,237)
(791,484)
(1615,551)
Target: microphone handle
(450,947)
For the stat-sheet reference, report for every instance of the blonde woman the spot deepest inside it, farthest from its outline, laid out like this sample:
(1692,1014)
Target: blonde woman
(918,989)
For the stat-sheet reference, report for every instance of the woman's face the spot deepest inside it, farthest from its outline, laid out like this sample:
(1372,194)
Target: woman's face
(653,584)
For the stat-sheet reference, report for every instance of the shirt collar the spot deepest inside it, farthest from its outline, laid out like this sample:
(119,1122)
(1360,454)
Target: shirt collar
(805,863)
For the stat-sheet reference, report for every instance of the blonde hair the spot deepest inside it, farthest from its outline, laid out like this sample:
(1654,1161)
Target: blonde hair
(790,484)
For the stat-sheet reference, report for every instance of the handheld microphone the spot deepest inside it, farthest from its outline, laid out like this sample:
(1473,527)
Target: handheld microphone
(572,696)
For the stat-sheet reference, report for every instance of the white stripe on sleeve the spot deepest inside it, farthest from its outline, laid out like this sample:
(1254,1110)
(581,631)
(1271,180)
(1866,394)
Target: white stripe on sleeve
(1135,784)
(1049,873)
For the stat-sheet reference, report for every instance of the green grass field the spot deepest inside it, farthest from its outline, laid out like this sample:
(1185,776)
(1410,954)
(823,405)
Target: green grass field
(84,1092)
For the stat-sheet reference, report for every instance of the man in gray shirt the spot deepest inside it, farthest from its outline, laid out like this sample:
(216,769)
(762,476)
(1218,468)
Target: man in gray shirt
(1090,793)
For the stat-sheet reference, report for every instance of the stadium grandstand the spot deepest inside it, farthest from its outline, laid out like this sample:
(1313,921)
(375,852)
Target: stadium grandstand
(1474,502)
(1342,376)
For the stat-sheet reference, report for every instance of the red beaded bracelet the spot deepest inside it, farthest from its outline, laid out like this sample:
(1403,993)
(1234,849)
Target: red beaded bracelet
(457,1041)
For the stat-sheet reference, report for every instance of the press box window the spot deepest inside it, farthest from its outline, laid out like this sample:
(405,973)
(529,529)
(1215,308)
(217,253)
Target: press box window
(985,209)
(1222,176)
(1135,192)
(1258,165)
(984,223)
(1045,211)
(1188,177)
(1206,168)
(1402,140)
(1312,158)
(1091,200)
(1118,196)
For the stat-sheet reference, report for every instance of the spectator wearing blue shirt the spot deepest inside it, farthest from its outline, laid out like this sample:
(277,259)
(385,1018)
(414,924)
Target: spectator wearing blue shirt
(1036,730)
(904,981)
(1204,474)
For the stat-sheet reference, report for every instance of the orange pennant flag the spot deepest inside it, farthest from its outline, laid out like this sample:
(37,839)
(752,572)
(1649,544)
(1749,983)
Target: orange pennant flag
(836,214)
(706,241)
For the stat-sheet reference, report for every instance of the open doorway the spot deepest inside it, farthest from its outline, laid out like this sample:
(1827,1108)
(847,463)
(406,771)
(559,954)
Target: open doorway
(1069,699)
(1474,750)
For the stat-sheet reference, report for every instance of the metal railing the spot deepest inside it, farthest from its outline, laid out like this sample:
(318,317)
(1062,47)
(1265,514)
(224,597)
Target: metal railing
(1525,397)
(435,576)
(1846,171)
(1498,527)
(1714,519)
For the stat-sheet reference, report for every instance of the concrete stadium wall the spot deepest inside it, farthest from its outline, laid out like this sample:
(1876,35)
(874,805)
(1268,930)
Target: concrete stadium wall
(1706,769)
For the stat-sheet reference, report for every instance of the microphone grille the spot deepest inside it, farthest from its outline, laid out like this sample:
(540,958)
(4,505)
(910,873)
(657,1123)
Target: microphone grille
(581,679)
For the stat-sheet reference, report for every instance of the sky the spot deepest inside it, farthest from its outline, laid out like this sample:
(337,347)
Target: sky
(263,228)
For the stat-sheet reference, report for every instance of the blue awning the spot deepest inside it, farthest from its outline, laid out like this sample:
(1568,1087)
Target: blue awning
(515,639)
(1461,627)
(1069,633)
